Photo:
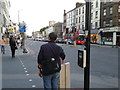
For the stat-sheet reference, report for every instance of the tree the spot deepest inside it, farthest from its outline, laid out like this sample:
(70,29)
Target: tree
(43,29)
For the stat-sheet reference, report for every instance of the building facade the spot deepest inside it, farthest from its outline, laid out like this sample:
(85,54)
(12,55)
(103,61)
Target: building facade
(80,17)
(4,15)
(110,23)
(58,29)
(70,19)
(95,21)
(74,20)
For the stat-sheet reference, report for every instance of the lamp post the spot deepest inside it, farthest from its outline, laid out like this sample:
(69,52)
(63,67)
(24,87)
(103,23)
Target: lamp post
(87,28)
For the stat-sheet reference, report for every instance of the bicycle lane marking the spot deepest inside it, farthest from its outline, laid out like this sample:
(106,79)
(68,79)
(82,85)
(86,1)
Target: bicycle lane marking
(27,73)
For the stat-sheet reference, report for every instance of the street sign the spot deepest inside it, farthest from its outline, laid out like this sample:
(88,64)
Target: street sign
(22,28)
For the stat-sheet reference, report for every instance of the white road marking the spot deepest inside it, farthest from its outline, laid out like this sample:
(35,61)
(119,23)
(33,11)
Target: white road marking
(24,68)
(33,86)
(27,74)
(26,71)
(30,80)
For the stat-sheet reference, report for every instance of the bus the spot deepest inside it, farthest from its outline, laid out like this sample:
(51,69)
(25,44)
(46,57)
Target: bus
(79,38)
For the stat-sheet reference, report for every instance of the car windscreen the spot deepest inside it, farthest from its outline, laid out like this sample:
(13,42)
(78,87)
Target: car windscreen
(81,38)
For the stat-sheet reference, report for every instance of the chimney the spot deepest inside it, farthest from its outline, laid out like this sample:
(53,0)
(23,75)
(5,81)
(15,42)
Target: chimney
(78,4)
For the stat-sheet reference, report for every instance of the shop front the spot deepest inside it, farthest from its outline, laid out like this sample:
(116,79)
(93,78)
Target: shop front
(110,36)
(94,36)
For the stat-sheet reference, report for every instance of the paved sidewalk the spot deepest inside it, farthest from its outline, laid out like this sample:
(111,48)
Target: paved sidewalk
(18,52)
(93,45)
(109,46)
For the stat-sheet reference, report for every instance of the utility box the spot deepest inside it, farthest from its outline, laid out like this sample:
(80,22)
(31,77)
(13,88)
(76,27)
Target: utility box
(82,58)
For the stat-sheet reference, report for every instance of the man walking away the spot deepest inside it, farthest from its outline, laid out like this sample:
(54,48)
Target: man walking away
(50,58)
(12,43)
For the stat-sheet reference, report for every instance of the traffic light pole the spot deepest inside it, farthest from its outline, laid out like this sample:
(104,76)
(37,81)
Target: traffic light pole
(87,28)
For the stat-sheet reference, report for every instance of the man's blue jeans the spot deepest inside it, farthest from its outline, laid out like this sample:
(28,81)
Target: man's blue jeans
(51,81)
(3,49)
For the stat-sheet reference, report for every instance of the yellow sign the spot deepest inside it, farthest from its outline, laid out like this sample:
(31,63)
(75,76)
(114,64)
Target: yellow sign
(11,30)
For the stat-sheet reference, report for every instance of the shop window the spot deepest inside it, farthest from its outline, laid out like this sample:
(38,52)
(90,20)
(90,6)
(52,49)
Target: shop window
(108,39)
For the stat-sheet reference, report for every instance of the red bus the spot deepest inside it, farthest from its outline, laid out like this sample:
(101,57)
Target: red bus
(79,38)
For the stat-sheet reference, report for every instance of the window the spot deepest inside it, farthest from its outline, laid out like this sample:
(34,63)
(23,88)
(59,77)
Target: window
(91,5)
(91,25)
(111,10)
(83,10)
(82,18)
(119,8)
(96,24)
(104,23)
(82,26)
(96,3)
(79,11)
(79,19)
(76,20)
(76,12)
(111,22)
(79,26)
(104,1)
(96,14)
(91,16)
(104,12)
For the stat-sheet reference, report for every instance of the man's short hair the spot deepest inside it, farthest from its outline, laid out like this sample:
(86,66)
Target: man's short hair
(53,36)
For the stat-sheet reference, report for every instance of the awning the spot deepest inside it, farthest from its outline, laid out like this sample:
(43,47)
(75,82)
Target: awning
(94,31)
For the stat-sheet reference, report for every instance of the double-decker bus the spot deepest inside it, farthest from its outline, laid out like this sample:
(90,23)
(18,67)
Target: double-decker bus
(79,38)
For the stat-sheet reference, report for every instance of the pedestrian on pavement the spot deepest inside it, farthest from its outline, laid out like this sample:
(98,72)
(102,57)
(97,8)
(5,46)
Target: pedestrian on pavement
(50,58)
(13,46)
(2,43)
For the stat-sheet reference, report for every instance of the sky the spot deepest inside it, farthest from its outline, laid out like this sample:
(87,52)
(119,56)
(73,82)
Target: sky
(37,13)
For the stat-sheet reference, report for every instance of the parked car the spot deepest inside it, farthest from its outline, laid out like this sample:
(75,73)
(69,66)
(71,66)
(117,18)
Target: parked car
(60,40)
(70,41)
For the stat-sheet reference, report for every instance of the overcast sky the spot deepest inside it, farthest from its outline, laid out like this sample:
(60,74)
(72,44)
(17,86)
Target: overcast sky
(38,13)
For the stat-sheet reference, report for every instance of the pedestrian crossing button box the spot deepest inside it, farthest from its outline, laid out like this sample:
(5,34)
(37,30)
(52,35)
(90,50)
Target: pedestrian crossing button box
(82,58)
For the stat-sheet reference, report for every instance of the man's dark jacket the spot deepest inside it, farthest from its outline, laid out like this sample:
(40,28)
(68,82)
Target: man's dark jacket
(46,53)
